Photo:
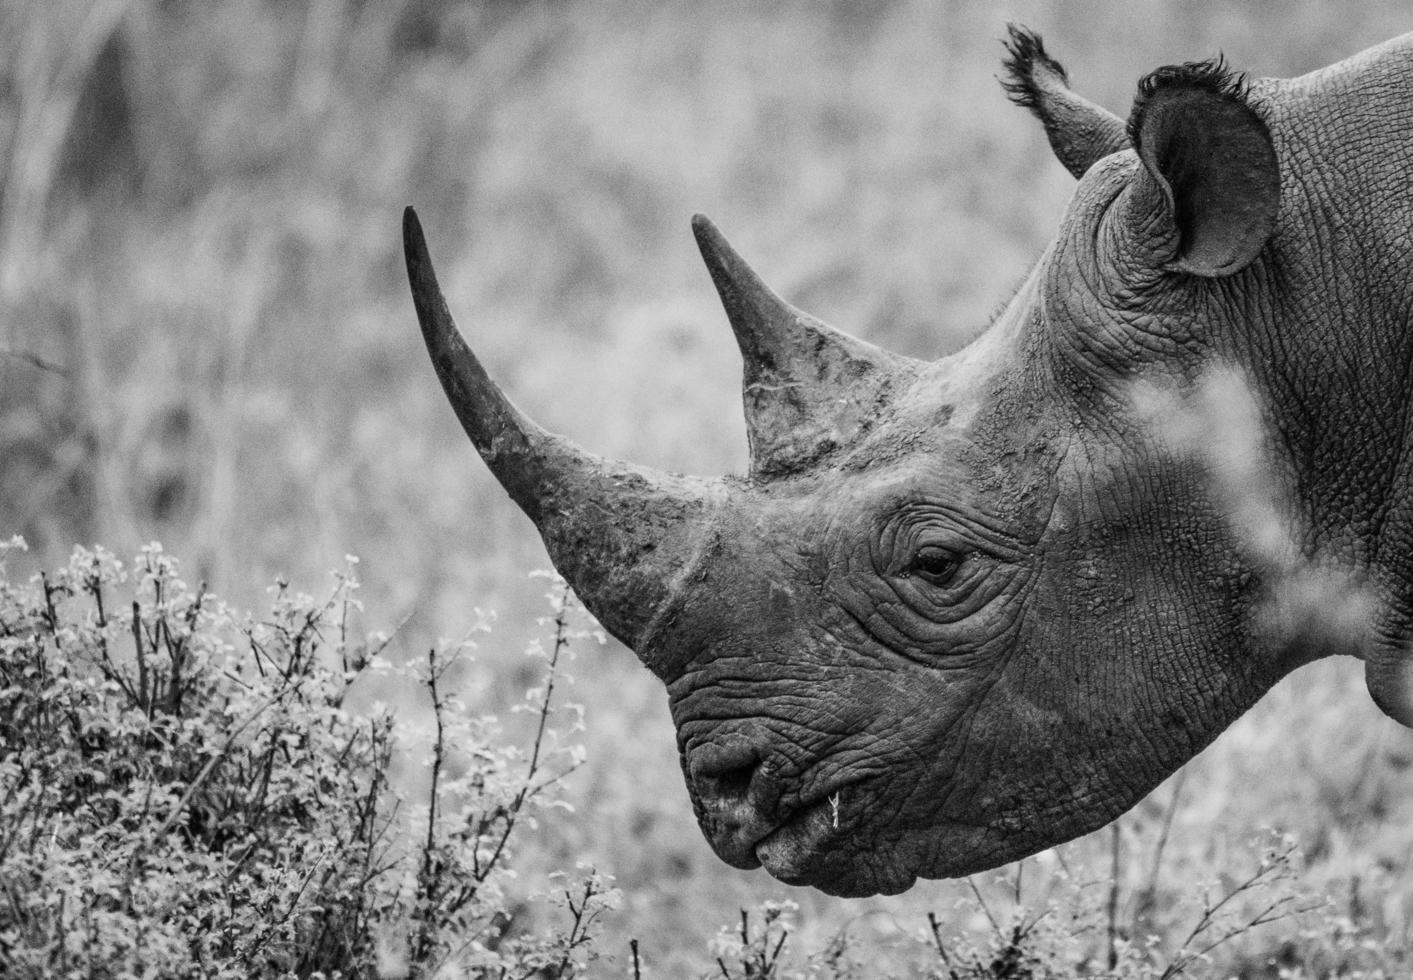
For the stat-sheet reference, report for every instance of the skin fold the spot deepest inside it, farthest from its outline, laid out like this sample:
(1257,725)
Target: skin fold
(961,611)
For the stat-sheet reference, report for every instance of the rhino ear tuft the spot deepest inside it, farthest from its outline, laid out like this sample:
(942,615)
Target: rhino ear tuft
(1080,132)
(1210,155)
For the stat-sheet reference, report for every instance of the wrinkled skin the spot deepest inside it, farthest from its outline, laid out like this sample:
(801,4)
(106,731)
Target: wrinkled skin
(962,611)
(962,725)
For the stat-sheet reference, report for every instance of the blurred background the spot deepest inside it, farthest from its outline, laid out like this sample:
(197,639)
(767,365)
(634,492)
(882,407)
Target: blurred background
(206,337)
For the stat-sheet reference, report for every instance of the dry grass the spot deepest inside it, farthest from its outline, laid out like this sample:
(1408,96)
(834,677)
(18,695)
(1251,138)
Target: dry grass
(214,266)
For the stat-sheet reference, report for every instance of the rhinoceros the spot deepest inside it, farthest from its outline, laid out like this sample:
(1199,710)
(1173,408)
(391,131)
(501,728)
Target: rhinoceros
(959,611)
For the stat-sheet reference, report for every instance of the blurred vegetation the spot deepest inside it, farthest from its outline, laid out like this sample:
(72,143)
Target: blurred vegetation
(207,337)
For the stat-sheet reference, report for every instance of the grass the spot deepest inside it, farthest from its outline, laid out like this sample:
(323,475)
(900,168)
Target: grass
(228,361)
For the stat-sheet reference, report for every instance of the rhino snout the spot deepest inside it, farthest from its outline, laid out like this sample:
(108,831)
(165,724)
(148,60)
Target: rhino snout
(737,797)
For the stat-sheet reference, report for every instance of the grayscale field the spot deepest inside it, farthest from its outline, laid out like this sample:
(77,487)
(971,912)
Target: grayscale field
(208,341)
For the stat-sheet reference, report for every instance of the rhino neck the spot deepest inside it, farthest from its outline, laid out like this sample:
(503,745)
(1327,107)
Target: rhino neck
(1327,318)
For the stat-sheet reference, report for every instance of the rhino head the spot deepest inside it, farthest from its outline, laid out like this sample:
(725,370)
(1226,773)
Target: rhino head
(960,611)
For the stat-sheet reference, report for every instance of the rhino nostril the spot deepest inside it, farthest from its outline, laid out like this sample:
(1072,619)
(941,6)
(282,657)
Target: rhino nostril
(731,785)
(724,771)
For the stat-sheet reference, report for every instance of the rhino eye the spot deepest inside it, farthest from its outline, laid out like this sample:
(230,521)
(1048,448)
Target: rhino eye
(935,565)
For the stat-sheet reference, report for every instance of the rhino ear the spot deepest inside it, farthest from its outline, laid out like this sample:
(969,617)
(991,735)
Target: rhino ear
(1079,131)
(1210,176)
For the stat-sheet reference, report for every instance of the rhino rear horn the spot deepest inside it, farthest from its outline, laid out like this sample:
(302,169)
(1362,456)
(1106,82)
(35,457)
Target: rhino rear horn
(623,536)
(808,389)
(1080,132)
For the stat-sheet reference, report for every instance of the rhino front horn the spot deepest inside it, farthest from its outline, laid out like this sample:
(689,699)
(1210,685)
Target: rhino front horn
(623,536)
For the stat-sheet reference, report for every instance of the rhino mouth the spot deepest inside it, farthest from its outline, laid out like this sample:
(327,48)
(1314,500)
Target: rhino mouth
(790,851)
(789,845)
(794,849)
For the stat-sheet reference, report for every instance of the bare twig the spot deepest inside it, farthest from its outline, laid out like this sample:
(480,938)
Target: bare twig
(996,926)
(144,698)
(1114,854)
(429,877)
(1146,898)
(1167,827)
(941,948)
(775,954)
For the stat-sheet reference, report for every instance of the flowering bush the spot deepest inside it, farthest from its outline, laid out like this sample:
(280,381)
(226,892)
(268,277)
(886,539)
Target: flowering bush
(183,792)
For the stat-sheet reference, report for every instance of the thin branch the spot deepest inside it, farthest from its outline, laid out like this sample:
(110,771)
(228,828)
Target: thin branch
(429,875)
(941,949)
(1262,918)
(1162,844)
(144,700)
(1115,853)
(561,640)
(1268,866)
(1000,934)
